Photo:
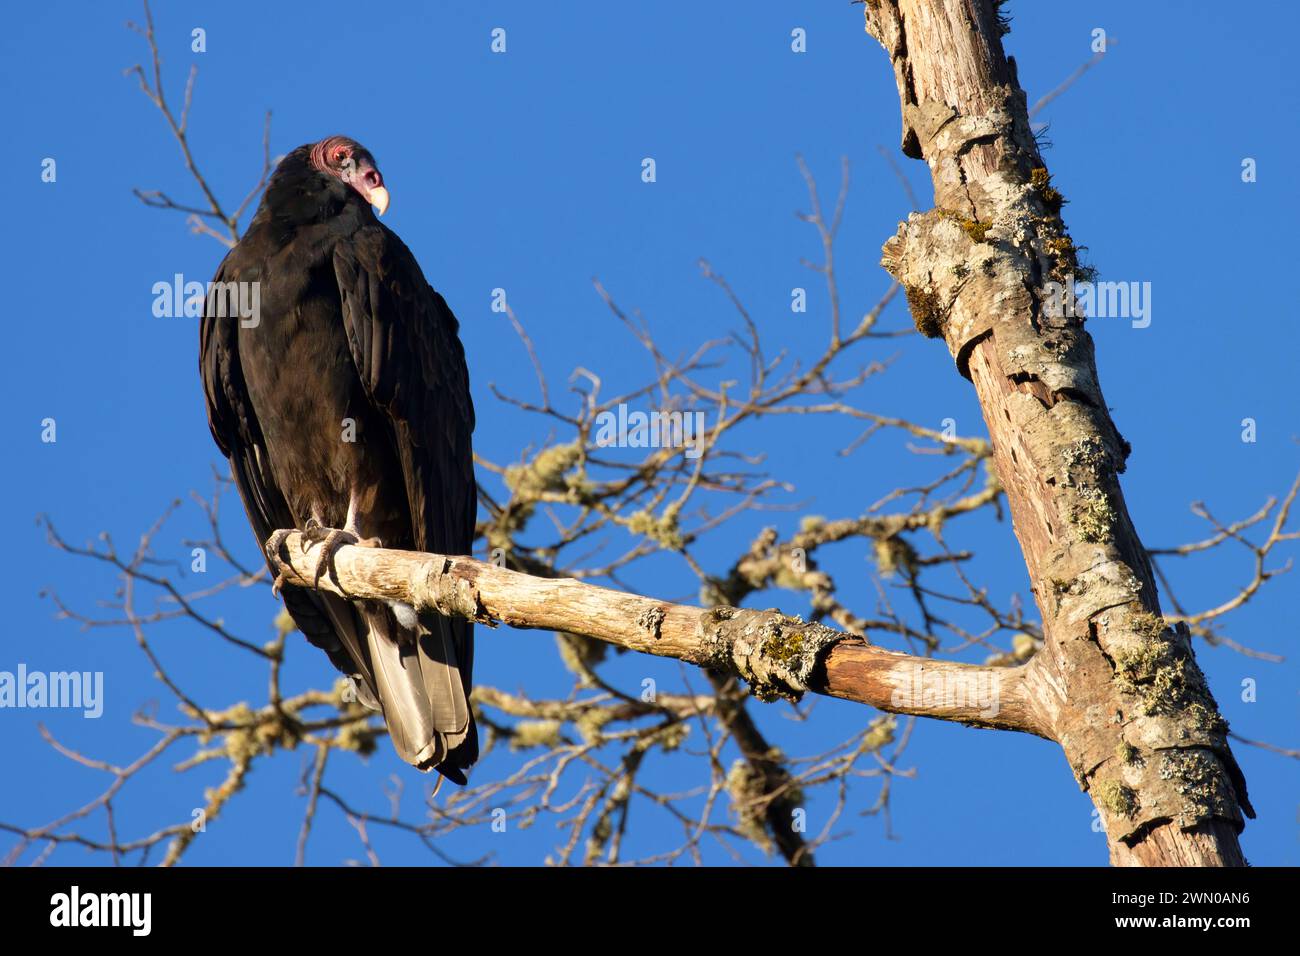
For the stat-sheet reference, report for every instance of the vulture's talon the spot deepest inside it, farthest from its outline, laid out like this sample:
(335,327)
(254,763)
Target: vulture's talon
(334,539)
(330,541)
(275,543)
(313,533)
(273,546)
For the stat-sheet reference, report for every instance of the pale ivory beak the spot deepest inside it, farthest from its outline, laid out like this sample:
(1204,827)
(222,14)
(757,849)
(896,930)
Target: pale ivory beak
(379,199)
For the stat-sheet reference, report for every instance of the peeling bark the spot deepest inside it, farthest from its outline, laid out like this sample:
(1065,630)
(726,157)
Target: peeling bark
(1114,685)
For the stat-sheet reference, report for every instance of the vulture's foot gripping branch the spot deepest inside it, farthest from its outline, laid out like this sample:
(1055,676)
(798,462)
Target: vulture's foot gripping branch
(315,533)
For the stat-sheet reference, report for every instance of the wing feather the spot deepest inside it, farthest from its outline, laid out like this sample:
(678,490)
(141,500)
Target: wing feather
(326,621)
(404,343)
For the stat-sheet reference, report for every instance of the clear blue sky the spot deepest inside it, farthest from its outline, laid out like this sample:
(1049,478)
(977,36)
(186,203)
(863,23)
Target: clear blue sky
(523,171)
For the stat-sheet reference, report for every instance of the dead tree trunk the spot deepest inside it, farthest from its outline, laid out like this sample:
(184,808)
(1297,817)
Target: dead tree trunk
(1118,689)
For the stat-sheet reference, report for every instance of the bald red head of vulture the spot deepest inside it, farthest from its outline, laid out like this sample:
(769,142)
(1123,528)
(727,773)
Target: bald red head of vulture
(343,406)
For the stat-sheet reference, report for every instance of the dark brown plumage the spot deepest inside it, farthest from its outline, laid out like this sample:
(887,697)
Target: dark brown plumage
(351,342)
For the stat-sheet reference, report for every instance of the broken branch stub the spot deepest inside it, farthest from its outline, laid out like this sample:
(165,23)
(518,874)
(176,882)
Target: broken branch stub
(775,654)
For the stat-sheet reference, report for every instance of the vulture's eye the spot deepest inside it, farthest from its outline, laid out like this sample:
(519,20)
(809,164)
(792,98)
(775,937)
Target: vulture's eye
(341,155)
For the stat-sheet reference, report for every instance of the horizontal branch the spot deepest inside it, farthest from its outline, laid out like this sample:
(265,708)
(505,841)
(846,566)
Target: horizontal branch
(778,655)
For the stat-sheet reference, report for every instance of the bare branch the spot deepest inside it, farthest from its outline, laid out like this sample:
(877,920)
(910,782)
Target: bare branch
(778,656)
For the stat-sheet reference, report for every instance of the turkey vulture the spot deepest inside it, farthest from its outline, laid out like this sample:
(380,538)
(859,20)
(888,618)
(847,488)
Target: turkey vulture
(343,406)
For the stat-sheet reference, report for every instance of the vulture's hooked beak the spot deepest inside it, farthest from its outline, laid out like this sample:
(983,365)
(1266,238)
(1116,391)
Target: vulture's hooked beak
(367,181)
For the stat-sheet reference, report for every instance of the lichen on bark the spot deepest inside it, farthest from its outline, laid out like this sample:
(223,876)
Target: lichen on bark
(775,654)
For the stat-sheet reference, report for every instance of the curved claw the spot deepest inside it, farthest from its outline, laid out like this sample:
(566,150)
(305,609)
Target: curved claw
(275,543)
(313,533)
(272,549)
(330,544)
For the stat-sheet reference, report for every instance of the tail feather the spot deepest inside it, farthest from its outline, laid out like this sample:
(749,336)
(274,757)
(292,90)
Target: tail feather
(443,684)
(420,686)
